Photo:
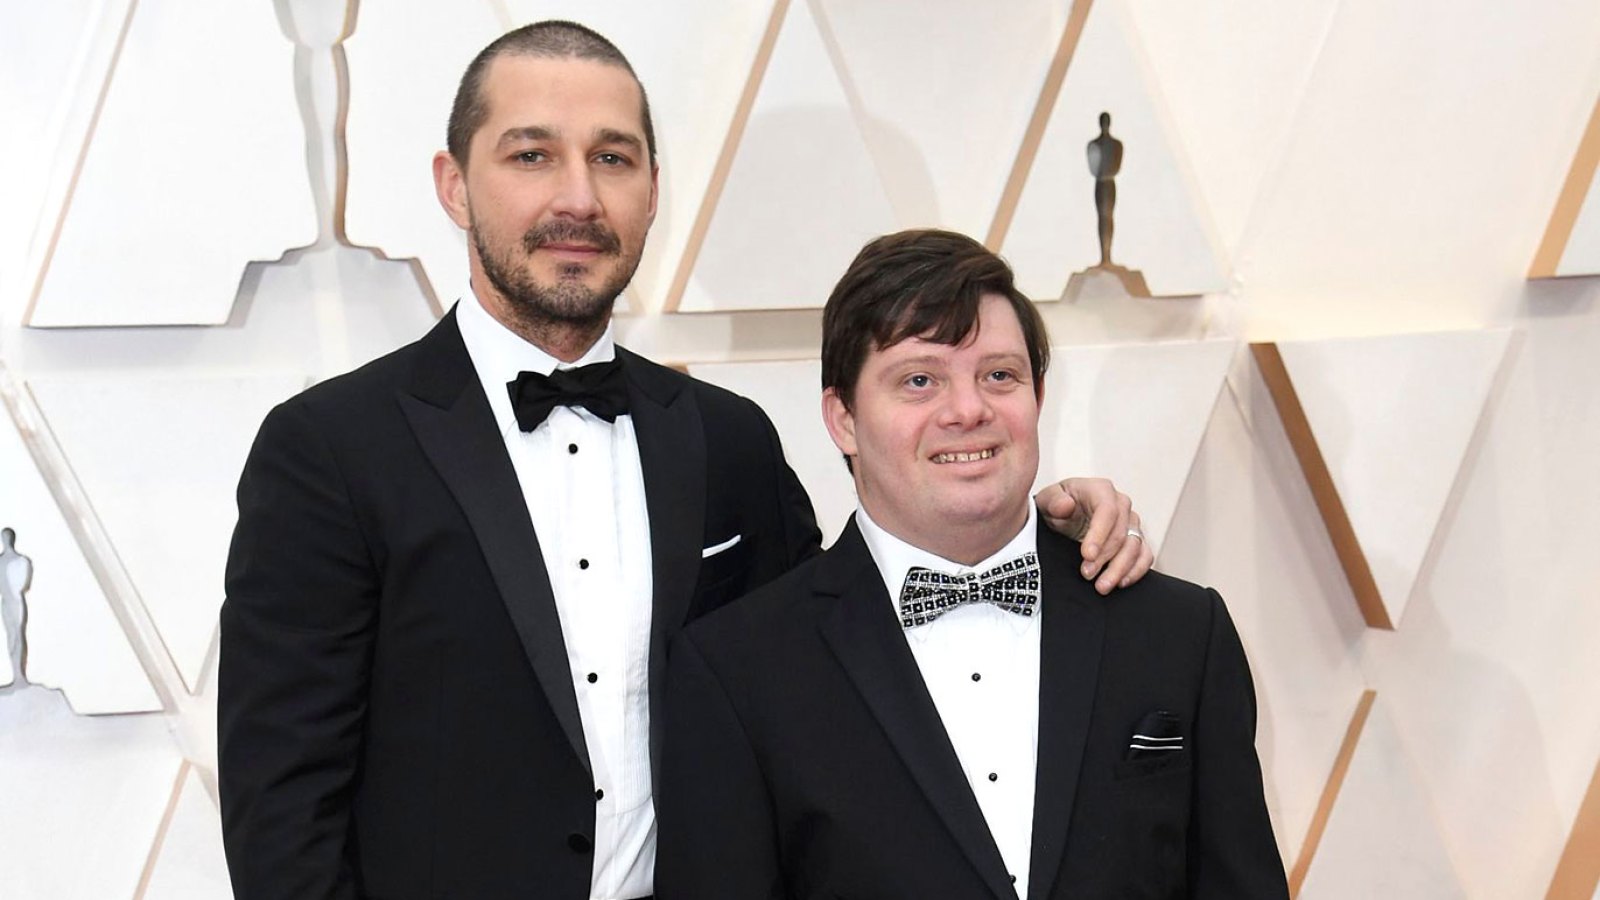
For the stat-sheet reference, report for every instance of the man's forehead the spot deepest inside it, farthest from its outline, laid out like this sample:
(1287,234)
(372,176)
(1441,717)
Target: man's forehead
(535,74)
(525,91)
(928,344)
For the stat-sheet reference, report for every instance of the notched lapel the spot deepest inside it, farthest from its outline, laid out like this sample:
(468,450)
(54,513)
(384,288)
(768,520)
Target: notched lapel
(672,456)
(457,430)
(1072,633)
(866,637)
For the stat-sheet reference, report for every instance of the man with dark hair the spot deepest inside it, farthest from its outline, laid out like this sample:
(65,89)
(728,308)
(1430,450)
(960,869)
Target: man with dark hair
(937,706)
(932,290)
(457,568)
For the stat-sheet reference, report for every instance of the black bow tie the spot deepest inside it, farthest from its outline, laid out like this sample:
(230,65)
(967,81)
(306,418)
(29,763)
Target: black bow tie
(1013,586)
(599,388)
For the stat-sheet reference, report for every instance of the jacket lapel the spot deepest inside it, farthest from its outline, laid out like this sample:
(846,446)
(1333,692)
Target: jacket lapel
(452,420)
(1073,628)
(672,456)
(866,637)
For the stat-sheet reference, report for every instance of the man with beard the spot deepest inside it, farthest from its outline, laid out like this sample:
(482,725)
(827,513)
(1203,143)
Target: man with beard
(456,569)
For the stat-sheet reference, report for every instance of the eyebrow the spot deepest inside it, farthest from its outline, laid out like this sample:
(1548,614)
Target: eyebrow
(935,359)
(613,136)
(528,133)
(926,359)
(1008,356)
(546,133)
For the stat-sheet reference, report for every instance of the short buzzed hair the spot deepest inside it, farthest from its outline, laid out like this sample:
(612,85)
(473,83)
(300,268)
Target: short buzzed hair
(551,39)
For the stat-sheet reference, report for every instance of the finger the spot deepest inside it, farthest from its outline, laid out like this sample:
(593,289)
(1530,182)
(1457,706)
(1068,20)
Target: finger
(1147,558)
(1056,503)
(1088,495)
(1107,532)
(1060,512)
(1123,569)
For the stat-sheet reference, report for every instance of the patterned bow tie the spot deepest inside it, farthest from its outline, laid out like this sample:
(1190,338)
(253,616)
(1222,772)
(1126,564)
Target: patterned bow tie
(1013,586)
(599,388)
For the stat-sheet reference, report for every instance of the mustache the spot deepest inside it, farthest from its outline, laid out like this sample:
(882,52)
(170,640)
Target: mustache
(594,234)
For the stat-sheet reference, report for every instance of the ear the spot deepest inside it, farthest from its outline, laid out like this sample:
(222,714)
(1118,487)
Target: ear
(655,192)
(450,185)
(841,424)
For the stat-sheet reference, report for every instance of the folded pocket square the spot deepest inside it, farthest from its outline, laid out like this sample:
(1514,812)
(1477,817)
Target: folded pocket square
(1158,733)
(714,549)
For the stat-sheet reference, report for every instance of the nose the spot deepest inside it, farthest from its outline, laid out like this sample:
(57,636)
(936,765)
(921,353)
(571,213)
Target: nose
(575,195)
(966,405)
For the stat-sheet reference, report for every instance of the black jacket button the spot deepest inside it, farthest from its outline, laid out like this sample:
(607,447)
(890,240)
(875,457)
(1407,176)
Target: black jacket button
(579,843)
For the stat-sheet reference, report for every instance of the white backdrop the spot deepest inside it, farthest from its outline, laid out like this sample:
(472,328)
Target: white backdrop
(187,236)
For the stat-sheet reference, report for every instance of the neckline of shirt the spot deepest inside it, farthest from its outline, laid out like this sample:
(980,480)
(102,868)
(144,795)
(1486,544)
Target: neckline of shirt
(895,557)
(498,354)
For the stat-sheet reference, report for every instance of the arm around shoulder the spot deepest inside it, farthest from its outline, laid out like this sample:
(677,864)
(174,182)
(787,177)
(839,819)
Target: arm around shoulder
(297,629)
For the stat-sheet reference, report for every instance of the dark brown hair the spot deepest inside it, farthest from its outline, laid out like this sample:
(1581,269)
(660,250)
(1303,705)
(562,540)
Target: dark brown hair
(553,39)
(922,283)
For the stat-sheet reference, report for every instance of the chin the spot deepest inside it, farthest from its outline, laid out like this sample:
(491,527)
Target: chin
(995,512)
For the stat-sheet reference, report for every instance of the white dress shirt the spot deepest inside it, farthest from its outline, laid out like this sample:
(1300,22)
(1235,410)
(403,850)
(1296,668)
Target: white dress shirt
(981,665)
(581,479)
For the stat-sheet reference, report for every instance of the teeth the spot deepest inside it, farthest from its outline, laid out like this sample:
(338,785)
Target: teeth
(963,457)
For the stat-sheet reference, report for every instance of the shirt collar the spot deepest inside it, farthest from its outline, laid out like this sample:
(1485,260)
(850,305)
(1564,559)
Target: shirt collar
(895,557)
(498,354)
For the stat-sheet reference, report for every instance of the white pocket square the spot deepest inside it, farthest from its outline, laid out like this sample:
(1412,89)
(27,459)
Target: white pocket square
(713,550)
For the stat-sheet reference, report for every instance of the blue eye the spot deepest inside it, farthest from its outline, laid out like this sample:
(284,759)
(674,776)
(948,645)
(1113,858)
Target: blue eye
(919,381)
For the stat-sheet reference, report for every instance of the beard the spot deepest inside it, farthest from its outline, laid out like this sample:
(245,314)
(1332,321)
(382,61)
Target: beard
(567,302)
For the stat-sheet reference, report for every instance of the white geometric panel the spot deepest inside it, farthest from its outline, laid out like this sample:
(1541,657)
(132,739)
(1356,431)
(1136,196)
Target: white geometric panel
(790,392)
(391,136)
(1392,417)
(1581,255)
(75,643)
(1086,427)
(1383,838)
(159,456)
(1248,526)
(83,799)
(693,60)
(53,62)
(1232,74)
(195,166)
(945,91)
(190,864)
(793,213)
(1161,229)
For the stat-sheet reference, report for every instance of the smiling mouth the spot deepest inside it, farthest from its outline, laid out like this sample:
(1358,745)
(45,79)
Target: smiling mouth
(973,456)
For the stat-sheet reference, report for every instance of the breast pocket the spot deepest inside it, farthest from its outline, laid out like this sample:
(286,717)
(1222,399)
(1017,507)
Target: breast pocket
(1132,769)
(724,573)
(1151,800)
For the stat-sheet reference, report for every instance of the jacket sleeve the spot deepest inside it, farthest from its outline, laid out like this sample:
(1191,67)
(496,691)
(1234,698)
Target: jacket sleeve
(297,628)
(801,537)
(716,821)
(1232,851)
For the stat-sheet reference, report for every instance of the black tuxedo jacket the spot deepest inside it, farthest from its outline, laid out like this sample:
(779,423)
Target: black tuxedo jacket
(397,716)
(804,757)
